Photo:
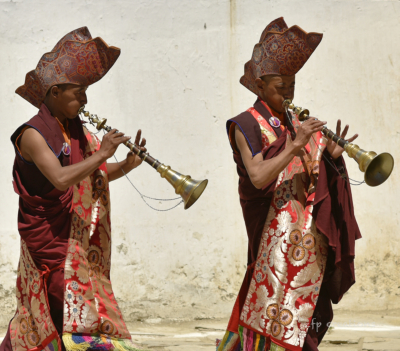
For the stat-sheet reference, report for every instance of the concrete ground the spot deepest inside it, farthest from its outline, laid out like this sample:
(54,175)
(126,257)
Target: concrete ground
(349,332)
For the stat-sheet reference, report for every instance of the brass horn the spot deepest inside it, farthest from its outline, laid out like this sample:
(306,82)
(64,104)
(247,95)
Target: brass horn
(377,168)
(189,189)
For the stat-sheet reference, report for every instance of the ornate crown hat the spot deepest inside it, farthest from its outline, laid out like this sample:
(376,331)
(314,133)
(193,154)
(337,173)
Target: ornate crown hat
(281,51)
(76,59)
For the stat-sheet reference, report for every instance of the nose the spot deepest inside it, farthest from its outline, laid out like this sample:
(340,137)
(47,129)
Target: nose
(84,99)
(288,94)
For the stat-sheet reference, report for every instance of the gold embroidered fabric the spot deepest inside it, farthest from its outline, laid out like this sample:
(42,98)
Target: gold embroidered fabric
(292,255)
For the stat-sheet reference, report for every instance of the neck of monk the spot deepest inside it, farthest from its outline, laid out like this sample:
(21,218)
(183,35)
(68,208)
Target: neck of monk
(57,114)
(274,113)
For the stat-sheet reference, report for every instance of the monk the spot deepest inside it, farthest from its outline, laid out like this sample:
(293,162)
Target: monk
(296,204)
(64,294)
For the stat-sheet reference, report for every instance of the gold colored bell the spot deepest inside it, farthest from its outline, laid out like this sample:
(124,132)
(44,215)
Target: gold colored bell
(188,188)
(377,168)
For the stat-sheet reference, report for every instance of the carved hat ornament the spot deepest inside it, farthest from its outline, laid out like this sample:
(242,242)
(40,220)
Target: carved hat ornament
(76,59)
(281,51)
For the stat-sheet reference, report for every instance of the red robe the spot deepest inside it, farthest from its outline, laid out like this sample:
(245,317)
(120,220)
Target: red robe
(63,282)
(333,214)
(44,215)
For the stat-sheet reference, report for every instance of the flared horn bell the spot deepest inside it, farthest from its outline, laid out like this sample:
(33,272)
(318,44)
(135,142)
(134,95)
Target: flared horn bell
(189,189)
(377,168)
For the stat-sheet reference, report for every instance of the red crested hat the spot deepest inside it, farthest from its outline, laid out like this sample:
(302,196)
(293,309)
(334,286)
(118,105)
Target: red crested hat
(76,59)
(281,51)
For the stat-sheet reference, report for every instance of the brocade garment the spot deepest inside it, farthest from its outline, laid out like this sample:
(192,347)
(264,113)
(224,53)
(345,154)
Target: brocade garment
(287,253)
(292,254)
(63,281)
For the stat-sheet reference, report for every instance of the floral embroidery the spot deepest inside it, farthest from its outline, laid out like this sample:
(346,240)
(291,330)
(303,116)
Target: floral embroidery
(308,241)
(291,258)
(32,324)
(295,237)
(23,326)
(90,305)
(99,190)
(89,302)
(33,338)
(107,327)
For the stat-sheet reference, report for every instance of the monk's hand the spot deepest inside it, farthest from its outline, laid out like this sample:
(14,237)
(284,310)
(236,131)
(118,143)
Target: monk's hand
(132,159)
(306,130)
(334,149)
(110,143)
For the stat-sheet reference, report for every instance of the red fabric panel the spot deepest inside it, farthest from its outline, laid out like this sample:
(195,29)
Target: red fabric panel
(33,180)
(334,217)
(55,295)
(44,220)
(250,129)
(6,343)
(233,324)
(255,213)
(43,224)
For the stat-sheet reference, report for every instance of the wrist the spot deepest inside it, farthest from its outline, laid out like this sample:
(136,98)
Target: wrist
(334,155)
(101,155)
(127,166)
(294,148)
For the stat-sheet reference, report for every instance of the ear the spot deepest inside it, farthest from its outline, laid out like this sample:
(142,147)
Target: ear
(260,84)
(55,91)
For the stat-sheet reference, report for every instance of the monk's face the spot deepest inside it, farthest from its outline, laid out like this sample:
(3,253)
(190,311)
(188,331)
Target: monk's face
(275,89)
(67,99)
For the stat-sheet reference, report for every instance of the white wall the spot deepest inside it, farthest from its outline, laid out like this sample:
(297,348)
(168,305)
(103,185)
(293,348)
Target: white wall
(177,80)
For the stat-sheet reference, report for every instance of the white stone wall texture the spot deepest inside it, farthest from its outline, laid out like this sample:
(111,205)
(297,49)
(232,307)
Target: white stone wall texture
(178,80)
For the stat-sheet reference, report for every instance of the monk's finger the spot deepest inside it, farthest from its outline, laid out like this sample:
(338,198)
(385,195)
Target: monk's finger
(123,140)
(345,130)
(354,137)
(138,135)
(338,127)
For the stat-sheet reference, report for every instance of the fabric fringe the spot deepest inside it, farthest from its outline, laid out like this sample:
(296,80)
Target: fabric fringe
(96,342)
(52,346)
(230,342)
(246,340)
(253,341)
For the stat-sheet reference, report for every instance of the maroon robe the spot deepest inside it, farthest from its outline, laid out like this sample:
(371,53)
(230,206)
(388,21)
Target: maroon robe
(333,214)
(44,212)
